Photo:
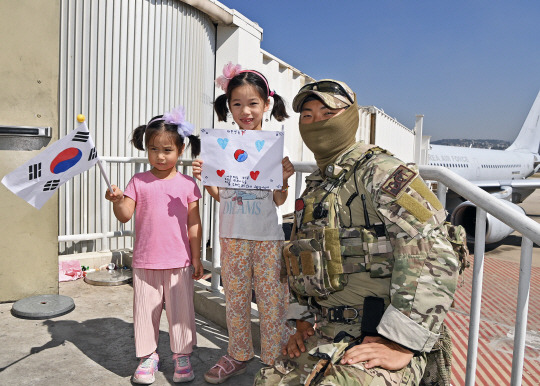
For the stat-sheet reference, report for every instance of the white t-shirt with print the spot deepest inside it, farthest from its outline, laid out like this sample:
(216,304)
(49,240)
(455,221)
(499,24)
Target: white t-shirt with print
(249,214)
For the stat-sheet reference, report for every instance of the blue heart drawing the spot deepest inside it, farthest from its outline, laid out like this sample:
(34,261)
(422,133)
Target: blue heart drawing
(259,145)
(223,142)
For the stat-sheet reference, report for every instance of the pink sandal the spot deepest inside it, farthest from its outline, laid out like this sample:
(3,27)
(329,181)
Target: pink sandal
(225,368)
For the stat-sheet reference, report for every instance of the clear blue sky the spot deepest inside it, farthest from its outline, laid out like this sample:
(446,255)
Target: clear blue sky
(472,68)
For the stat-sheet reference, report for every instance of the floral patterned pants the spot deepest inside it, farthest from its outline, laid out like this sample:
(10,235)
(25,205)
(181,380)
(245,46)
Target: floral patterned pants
(247,264)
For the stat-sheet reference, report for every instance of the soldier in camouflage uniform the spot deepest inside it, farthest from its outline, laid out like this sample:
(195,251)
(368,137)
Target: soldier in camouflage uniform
(369,264)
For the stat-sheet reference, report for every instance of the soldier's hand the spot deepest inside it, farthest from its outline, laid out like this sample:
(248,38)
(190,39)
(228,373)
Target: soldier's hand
(295,346)
(378,352)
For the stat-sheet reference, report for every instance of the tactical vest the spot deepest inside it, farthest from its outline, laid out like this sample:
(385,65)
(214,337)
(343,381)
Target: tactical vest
(337,230)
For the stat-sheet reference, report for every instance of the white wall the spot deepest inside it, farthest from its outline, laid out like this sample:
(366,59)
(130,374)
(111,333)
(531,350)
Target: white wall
(121,63)
(393,136)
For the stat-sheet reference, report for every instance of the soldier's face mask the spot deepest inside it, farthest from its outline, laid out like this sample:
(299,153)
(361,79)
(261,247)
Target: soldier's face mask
(329,138)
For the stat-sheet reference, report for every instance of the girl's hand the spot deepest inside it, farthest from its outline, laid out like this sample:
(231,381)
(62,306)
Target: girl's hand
(197,168)
(116,194)
(198,270)
(280,196)
(295,346)
(288,169)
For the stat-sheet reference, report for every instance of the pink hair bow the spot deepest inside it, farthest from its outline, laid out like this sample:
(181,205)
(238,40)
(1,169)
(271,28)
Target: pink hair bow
(229,71)
(177,117)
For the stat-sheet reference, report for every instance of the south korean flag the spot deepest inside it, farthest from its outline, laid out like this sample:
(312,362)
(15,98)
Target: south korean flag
(38,179)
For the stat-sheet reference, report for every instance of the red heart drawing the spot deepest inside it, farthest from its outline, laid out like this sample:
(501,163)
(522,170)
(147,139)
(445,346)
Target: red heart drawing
(254,175)
(220,172)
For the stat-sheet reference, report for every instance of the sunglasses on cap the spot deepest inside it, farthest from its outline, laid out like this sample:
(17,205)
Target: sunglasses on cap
(327,86)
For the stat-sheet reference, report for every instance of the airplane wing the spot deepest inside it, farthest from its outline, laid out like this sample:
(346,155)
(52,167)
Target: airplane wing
(529,183)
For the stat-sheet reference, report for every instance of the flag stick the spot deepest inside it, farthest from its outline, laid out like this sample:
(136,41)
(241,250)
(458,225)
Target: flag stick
(81,118)
(104,175)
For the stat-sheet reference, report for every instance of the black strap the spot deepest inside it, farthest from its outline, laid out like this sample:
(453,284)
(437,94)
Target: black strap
(372,315)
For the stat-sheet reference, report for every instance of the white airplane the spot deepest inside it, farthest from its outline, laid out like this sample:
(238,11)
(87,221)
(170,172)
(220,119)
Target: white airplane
(500,172)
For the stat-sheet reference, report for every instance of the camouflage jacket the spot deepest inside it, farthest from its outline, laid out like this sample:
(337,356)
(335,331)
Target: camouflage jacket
(408,262)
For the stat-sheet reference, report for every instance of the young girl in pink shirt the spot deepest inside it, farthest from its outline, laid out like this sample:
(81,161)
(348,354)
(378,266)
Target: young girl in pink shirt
(166,255)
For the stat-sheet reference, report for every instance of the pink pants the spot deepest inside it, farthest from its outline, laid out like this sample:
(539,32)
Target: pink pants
(246,264)
(152,287)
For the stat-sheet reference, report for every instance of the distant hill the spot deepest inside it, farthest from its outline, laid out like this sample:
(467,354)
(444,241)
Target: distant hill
(494,144)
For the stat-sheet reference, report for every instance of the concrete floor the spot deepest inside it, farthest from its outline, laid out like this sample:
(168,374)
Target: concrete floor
(93,344)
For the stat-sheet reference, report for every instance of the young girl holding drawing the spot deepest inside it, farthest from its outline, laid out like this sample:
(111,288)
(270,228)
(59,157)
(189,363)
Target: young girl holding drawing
(166,255)
(251,241)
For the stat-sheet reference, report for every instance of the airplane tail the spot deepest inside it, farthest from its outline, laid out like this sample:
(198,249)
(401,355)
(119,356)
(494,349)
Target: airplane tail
(528,138)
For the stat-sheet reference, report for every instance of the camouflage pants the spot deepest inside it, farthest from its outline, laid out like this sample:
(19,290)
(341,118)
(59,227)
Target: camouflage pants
(295,371)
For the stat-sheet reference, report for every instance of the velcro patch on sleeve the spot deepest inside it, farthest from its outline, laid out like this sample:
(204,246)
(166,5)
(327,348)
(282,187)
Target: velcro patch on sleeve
(414,207)
(398,180)
(421,188)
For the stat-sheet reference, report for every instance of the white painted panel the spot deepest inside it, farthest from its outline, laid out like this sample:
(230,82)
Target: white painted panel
(121,63)
(393,136)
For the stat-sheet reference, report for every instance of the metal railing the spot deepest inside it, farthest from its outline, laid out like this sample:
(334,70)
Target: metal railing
(530,231)
(485,202)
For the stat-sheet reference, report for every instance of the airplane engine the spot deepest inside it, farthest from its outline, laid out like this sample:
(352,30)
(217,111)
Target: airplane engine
(465,215)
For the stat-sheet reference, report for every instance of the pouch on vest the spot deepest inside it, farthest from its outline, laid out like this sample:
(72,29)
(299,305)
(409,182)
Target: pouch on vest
(379,253)
(313,260)
(305,262)
(457,236)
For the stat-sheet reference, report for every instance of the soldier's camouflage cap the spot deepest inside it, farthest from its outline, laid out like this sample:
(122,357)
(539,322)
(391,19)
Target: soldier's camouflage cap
(333,93)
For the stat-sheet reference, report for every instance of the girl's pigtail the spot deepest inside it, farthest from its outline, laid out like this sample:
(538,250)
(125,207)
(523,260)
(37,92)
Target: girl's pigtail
(195,144)
(138,137)
(220,107)
(279,111)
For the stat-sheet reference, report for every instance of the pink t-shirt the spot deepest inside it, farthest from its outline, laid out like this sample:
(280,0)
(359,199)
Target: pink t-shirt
(161,232)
